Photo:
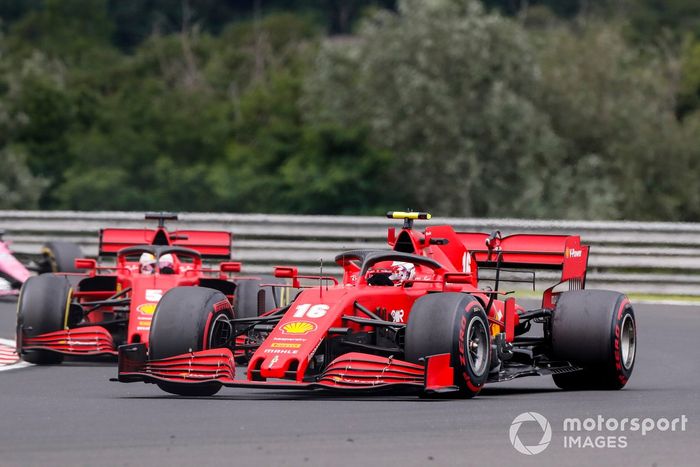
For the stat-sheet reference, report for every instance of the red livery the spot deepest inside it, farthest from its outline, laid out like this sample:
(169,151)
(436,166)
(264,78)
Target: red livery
(414,315)
(94,312)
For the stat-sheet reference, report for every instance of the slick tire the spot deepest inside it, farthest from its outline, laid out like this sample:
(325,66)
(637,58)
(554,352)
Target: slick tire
(455,324)
(596,330)
(189,319)
(60,257)
(253,298)
(42,307)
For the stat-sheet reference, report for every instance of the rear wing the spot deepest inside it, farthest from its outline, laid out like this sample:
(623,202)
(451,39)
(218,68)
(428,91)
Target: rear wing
(209,243)
(558,252)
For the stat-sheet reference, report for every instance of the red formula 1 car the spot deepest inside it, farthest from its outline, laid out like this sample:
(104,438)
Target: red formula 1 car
(412,315)
(92,313)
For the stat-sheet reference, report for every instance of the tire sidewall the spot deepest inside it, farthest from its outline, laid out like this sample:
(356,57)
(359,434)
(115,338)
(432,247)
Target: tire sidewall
(623,309)
(466,377)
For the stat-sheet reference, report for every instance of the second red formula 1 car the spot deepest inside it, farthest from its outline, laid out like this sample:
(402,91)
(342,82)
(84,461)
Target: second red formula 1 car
(413,315)
(92,313)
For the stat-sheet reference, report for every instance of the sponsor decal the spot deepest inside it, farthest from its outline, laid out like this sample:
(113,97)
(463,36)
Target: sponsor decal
(222,305)
(298,327)
(143,328)
(153,295)
(72,343)
(289,339)
(285,345)
(147,308)
(467,262)
(573,253)
(274,360)
(144,323)
(281,351)
(499,315)
(397,316)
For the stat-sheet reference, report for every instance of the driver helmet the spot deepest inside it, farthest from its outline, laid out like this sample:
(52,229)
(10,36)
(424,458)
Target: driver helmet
(166,264)
(401,272)
(147,263)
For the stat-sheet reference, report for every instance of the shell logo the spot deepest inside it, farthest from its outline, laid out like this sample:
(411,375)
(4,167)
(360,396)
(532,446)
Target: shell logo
(298,327)
(147,308)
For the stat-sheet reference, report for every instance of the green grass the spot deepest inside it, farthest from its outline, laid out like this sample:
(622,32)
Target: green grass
(654,297)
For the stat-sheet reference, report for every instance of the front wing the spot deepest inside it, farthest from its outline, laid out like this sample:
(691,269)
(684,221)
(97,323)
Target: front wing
(349,372)
(84,341)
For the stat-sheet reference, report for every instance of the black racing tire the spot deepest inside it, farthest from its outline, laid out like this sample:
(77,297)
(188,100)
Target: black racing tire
(596,330)
(41,308)
(188,319)
(252,297)
(60,256)
(452,323)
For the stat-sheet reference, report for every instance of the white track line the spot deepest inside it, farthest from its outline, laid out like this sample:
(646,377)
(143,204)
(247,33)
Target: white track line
(14,366)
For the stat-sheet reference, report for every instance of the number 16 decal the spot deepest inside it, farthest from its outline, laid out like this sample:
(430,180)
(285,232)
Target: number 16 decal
(308,311)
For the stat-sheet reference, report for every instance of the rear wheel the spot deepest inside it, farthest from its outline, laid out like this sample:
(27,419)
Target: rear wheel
(596,330)
(254,297)
(189,319)
(41,308)
(60,256)
(455,324)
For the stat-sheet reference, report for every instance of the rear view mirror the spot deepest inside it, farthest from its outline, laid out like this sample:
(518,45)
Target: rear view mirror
(458,278)
(85,263)
(230,266)
(286,272)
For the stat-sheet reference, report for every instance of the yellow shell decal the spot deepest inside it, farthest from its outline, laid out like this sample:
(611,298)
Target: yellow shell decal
(298,327)
(285,345)
(147,308)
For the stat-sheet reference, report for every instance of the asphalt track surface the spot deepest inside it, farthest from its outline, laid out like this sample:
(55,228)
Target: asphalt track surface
(73,415)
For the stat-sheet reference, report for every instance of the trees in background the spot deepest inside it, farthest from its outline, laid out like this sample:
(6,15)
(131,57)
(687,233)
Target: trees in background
(488,119)
(564,109)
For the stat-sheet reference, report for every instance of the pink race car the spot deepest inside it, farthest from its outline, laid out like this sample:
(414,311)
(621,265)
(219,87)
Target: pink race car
(55,257)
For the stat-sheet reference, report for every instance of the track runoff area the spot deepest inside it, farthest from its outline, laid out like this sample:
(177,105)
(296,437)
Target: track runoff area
(71,414)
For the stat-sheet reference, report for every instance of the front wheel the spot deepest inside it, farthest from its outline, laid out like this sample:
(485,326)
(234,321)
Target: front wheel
(455,324)
(189,319)
(596,330)
(42,308)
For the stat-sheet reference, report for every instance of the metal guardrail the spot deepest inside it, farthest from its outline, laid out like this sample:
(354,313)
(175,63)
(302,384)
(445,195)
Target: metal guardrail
(641,257)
